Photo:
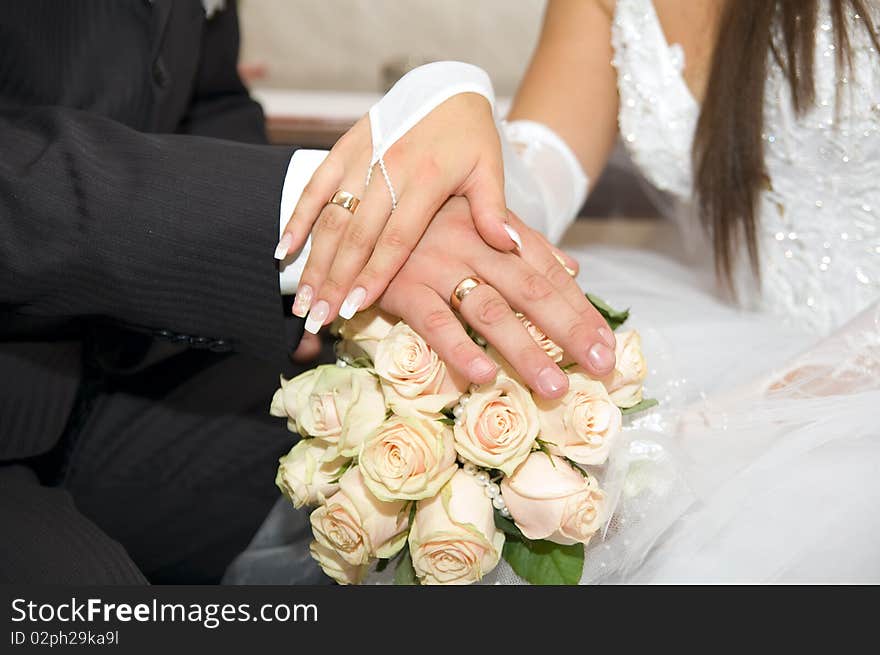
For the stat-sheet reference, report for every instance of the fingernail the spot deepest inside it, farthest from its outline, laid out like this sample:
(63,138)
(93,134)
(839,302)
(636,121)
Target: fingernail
(551,381)
(601,357)
(302,301)
(353,302)
(283,246)
(608,337)
(514,236)
(481,368)
(568,270)
(317,316)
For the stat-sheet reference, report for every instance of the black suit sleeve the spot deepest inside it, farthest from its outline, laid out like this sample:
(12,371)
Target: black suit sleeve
(165,232)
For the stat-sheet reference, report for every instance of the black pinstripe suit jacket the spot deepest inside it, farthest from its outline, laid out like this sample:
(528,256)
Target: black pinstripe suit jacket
(121,214)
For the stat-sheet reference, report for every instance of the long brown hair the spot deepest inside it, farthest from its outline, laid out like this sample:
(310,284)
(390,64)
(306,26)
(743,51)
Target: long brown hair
(729,147)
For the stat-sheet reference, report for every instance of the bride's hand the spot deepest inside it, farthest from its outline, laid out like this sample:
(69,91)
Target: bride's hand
(534,282)
(454,150)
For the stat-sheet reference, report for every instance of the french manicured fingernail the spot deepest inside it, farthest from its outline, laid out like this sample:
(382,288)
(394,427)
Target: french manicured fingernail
(551,381)
(317,316)
(480,369)
(601,357)
(608,337)
(302,301)
(352,302)
(283,246)
(514,236)
(568,270)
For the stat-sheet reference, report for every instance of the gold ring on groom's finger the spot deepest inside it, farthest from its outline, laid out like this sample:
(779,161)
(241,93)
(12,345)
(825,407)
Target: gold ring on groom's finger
(462,289)
(345,200)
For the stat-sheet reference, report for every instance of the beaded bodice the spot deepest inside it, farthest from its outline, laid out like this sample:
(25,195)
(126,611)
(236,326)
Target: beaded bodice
(819,232)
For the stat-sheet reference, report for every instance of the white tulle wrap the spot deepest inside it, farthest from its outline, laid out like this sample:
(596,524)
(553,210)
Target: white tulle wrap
(544,184)
(762,463)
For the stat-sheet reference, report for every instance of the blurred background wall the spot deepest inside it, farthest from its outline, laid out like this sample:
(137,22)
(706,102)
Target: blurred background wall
(344,44)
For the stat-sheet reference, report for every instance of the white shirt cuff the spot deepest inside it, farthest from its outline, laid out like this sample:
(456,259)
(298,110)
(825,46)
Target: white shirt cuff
(302,165)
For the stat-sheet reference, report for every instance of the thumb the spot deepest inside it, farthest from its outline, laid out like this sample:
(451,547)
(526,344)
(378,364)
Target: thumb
(485,194)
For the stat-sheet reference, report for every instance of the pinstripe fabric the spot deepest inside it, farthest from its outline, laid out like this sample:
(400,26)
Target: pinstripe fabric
(113,203)
(126,219)
(51,542)
(38,384)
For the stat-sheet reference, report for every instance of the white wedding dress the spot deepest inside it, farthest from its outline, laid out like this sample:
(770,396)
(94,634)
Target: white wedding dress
(762,463)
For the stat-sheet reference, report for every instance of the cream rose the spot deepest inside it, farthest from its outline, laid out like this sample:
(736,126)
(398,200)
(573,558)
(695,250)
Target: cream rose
(366,329)
(453,538)
(624,384)
(549,346)
(583,424)
(339,405)
(335,566)
(407,459)
(357,525)
(310,472)
(415,381)
(550,499)
(498,425)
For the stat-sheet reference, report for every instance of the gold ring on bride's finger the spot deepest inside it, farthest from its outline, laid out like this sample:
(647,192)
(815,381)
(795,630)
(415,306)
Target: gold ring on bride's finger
(462,289)
(345,200)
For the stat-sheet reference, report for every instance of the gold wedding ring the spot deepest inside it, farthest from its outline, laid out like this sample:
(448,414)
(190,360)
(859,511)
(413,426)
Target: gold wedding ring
(462,289)
(345,200)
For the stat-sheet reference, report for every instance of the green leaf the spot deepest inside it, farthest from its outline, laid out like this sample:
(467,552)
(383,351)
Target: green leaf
(382,565)
(614,317)
(447,421)
(507,526)
(646,404)
(545,563)
(405,574)
(577,468)
(544,447)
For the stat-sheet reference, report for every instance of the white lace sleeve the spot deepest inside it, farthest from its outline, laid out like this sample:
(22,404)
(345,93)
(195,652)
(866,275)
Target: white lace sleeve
(846,361)
(545,184)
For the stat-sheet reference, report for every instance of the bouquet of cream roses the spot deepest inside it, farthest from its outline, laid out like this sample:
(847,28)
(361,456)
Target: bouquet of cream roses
(402,460)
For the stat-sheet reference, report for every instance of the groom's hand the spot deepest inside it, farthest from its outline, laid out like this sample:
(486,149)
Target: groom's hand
(534,282)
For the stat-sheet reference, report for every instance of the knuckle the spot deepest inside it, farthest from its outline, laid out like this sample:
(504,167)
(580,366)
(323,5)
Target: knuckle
(536,287)
(462,351)
(590,315)
(331,289)
(577,331)
(370,274)
(492,310)
(531,356)
(438,320)
(392,239)
(358,237)
(558,276)
(330,222)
